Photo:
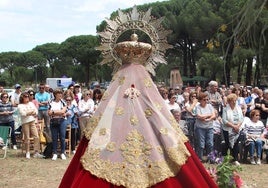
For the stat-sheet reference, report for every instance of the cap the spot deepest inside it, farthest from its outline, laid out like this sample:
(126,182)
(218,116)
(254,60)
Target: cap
(76,85)
(17,86)
(177,87)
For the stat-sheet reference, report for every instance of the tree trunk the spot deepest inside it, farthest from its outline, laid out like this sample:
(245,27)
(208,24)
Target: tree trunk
(249,71)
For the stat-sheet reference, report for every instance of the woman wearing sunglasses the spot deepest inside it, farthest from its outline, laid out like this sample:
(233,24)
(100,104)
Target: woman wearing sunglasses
(205,114)
(86,110)
(6,116)
(28,113)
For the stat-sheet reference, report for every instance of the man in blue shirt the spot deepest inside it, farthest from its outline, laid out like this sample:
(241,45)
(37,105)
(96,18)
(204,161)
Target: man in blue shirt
(43,99)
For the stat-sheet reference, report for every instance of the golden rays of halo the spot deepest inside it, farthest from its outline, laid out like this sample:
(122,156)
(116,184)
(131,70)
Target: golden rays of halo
(134,20)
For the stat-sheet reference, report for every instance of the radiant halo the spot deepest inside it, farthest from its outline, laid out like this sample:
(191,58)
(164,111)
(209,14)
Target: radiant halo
(134,20)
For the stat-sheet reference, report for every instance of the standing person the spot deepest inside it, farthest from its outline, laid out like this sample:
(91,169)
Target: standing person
(264,107)
(184,103)
(32,99)
(164,93)
(43,99)
(214,96)
(15,100)
(86,110)
(190,116)
(6,116)
(97,94)
(240,100)
(205,114)
(72,119)
(58,123)
(173,105)
(253,130)
(77,93)
(15,96)
(28,113)
(248,100)
(232,118)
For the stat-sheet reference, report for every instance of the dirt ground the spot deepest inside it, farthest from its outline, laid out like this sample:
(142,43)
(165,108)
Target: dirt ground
(17,171)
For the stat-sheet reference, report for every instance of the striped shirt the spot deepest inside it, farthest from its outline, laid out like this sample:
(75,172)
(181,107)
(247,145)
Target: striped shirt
(252,128)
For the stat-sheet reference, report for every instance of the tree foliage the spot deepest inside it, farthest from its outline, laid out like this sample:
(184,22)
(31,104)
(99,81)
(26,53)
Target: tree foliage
(221,40)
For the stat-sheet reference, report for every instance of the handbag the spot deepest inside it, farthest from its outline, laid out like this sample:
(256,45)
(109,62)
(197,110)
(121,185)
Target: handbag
(42,138)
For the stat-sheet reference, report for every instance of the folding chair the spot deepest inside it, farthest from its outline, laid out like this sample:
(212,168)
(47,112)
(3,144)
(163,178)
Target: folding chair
(5,133)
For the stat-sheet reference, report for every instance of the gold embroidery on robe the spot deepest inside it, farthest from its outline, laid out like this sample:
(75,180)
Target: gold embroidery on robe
(158,106)
(164,131)
(148,112)
(111,146)
(136,169)
(119,111)
(134,120)
(147,82)
(121,80)
(90,127)
(102,131)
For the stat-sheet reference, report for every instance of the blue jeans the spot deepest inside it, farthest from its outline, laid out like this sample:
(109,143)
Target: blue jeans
(58,131)
(258,145)
(204,138)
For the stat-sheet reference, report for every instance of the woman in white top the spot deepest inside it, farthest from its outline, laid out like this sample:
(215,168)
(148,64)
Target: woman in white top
(28,113)
(205,114)
(172,104)
(58,123)
(232,118)
(86,110)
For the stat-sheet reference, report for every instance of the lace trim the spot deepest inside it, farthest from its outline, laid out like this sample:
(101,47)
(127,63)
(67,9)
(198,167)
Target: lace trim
(137,169)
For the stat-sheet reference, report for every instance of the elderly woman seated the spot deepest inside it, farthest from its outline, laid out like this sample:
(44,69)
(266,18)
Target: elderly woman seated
(253,130)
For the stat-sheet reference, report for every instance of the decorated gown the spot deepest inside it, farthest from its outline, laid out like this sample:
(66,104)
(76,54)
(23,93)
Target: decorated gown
(133,140)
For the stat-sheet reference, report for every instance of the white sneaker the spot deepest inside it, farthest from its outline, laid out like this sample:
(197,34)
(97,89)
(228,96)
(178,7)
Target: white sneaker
(236,163)
(252,161)
(258,161)
(63,157)
(38,155)
(15,147)
(54,158)
(28,156)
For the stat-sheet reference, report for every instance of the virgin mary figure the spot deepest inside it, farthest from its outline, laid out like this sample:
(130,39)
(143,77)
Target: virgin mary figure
(133,139)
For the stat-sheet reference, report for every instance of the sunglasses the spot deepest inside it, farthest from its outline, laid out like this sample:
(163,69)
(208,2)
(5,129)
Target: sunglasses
(68,99)
(26,96)
(41,87)
(193,96)
(31,94)
(4,97)
(88,94)
(205,100)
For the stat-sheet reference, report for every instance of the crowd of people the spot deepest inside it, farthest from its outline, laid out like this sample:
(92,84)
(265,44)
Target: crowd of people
(222,119)
(58,108)
(213,118)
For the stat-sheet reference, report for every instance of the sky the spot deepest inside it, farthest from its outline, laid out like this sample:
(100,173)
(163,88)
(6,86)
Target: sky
(24,24)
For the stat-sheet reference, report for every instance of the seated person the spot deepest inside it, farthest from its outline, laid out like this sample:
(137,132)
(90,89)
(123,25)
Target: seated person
(177,115)
(253,130)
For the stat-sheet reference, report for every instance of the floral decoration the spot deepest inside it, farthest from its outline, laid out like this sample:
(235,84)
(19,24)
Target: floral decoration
(225,174)
(132,92)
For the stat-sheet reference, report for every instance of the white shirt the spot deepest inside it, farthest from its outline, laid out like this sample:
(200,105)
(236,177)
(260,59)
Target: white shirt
(86,108)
